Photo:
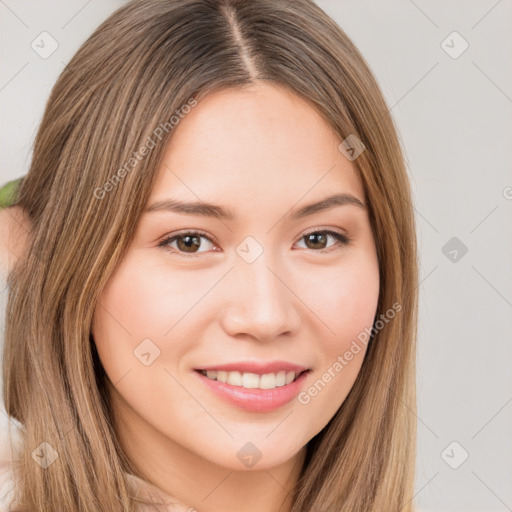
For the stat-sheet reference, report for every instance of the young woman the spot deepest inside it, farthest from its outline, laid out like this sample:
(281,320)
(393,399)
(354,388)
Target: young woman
(214,306)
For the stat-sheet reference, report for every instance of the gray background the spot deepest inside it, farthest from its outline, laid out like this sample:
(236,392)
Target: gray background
(454,117)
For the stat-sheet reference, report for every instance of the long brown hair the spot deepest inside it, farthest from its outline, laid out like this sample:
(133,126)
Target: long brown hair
(85,191)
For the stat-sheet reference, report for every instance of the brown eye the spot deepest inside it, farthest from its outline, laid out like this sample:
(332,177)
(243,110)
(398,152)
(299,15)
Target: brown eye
(187,242)
(317,240)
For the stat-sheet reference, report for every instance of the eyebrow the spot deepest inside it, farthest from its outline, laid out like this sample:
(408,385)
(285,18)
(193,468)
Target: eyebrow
(219,212)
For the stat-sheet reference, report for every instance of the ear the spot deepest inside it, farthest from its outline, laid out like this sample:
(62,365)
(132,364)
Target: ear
(14,230)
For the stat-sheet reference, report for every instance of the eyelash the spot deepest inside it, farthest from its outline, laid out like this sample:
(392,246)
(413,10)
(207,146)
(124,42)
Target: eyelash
(342,240)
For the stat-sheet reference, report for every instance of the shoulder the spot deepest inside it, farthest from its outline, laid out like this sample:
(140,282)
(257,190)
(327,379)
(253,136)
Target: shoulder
(7,485)
(9,448)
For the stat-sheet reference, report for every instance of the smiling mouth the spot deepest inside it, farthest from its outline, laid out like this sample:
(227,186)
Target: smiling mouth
(253,380)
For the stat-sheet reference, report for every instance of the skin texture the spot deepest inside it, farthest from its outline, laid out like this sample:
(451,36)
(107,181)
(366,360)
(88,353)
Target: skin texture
(262,152)
(14,227)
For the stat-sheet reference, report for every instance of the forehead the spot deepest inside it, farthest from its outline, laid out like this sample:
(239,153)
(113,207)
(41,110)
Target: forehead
(259,146)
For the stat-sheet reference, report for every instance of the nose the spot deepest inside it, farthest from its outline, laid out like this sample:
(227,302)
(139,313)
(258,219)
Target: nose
(261,303)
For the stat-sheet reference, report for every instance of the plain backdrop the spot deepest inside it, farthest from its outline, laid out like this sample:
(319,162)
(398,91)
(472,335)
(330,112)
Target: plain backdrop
(445,69)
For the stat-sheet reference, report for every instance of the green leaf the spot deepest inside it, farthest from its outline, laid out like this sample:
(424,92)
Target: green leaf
(9,193)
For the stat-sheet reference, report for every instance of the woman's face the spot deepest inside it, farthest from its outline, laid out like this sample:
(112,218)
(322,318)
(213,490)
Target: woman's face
(255,288)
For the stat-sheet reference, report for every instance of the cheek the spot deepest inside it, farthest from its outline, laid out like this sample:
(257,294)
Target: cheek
(346,302)
(140,301)
(131,309)
(135,317)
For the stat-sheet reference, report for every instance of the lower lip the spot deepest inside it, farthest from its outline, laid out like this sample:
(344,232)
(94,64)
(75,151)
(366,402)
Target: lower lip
(255,399)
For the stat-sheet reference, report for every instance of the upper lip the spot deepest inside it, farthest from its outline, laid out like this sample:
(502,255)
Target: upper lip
(259,368)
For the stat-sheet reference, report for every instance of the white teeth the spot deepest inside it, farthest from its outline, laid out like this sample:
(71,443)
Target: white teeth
(234,378)
(252,380)
(281,379)
(267,381)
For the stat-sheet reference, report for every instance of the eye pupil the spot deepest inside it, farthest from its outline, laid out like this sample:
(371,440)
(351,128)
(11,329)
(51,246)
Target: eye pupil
(313,236)
(184,243)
